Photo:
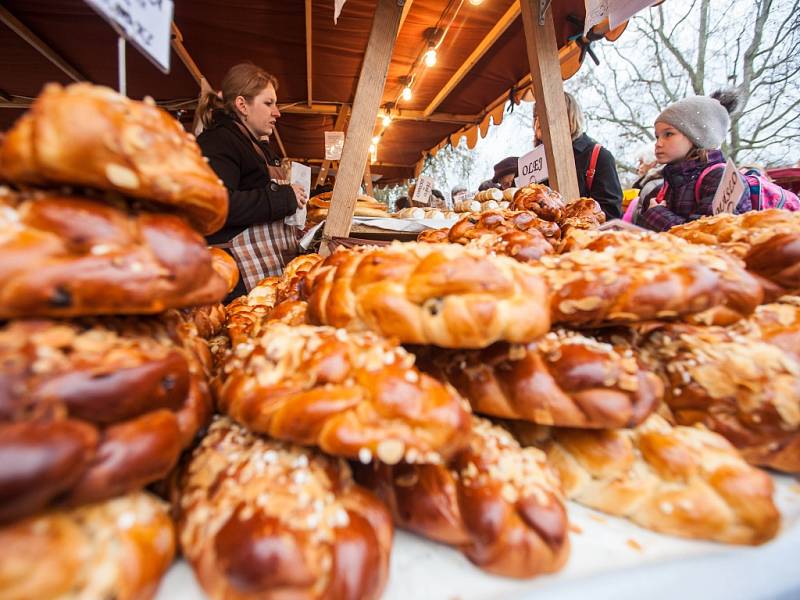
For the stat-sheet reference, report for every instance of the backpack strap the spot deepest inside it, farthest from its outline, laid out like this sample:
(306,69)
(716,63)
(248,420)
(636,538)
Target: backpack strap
(704,172)
(592,166)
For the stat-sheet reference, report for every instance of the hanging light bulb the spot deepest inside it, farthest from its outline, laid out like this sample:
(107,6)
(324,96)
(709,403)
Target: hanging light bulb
(407,93)
(373,153)
(387,119)
(430,57)
(476,2)
(375,140)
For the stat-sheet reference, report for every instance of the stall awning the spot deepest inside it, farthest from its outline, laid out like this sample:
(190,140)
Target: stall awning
(481,59)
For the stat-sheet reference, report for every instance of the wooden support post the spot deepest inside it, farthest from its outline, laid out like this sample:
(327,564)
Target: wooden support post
(309,49)
(339,125)
(280,141)
(34,40)
(368,180)
(548,90)
(186,58)
(369,91)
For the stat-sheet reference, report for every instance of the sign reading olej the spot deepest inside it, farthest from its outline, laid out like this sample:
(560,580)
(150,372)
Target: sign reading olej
(532,167)
(147,24)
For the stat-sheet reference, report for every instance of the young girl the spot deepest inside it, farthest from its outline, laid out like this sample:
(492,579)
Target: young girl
(689,134)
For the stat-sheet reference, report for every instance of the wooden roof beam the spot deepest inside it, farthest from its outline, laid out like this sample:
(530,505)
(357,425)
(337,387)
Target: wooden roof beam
(487,42)
(309,49)
(183,54)
(34,40)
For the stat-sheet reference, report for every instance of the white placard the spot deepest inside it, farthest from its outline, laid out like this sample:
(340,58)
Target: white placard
(147,24)
(334,142)
(301,175)
(620,11)
(596,11)
(532,167)
(729,191)
(337,9)
(422,192)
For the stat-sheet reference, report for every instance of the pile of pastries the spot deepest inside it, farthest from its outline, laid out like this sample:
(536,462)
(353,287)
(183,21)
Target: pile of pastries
(462,388)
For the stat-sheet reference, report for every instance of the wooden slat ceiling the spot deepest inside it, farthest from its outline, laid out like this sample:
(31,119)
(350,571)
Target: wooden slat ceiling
(272,34)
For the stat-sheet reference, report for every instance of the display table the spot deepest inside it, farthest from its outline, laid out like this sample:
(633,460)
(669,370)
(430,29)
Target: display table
(611,558)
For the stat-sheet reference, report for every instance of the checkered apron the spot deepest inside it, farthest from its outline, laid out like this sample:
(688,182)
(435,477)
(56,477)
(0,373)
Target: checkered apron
(263,250)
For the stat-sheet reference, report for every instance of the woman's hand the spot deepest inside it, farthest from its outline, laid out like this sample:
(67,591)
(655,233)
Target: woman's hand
(299,195)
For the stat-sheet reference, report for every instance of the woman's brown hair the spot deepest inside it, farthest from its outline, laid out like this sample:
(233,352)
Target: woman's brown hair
(245,79)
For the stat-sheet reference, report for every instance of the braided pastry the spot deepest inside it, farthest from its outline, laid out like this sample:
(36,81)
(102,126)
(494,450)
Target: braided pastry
(499,504)
(434,236)
(440,294)
(353,395)
(225,266)
(500,221)
(564,379)
(524,246)
(244,315)
(89,411)
(777,324)
(91,136)
(263,519)
(68,257)
(743,388)
(291,312)
(683,481)
(118,549)
(545,202)
(768,241)
(635,278)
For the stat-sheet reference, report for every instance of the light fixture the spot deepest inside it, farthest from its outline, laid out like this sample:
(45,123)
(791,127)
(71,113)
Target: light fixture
(406,93)
(373,153)
(387,119)
(375,140)
(475,2)
(430,56)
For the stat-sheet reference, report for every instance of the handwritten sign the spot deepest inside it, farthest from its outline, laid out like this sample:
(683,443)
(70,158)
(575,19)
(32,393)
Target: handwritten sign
(422,192)
(334,142)
(596,11)
(730,190)
(620,11)
(532,167)
(147,24)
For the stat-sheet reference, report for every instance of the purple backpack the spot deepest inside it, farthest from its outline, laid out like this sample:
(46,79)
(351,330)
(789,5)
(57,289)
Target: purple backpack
(763,193)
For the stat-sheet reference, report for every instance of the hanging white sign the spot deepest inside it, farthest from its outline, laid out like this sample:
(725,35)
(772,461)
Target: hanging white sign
(596,11)
(422,192)
(729,191)
(334,142)
(337,9)
(532,167)
(147,24)
(301,175)
(620,11)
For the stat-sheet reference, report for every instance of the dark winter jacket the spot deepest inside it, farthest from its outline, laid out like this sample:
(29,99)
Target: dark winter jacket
(680,202)
(606,188)
(253,197)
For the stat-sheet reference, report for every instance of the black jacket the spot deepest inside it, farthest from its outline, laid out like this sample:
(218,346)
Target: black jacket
(606,188)
(253,198)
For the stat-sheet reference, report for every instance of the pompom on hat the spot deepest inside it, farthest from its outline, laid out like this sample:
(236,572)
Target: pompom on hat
(703,119)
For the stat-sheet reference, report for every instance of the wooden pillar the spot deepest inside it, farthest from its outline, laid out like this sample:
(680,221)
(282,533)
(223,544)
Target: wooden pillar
(548,91)
(369,92)
(339,125)
(368,180)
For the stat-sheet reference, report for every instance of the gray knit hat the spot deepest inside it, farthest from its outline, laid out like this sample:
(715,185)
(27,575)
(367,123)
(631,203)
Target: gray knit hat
(702,119)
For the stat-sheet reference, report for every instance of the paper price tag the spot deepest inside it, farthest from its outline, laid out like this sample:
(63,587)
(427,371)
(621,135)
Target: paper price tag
(532,167)
(301,175)
(334,142)
(422,192)
(729,191)
(147,24)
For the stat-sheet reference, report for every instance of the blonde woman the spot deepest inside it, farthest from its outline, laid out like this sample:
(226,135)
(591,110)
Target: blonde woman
(595,165)
(235,120)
